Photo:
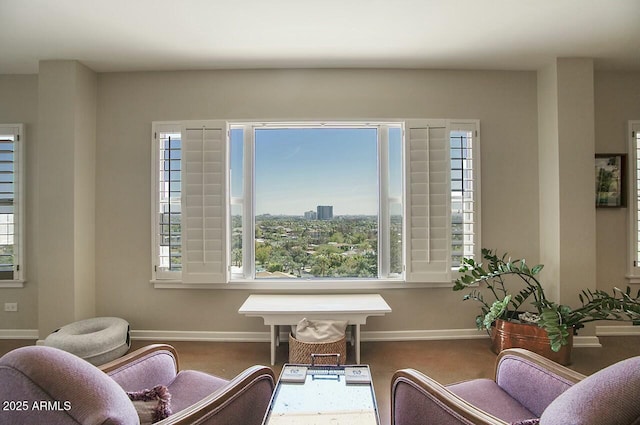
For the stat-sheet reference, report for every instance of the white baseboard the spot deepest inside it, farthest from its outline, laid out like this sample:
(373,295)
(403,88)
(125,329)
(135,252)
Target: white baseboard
(620,330)
(366,336)
(586,342)
(413,335)
(201,336)
(423,335)
(18,334)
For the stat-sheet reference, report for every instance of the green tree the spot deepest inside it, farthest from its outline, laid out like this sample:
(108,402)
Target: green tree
(300,259)
(321,264)
(263,253)
(337,237)
(236,255)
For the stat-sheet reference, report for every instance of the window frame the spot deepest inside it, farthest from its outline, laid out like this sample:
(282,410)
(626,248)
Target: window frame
(19,276)
(633,268)
(247,202)
(411,279)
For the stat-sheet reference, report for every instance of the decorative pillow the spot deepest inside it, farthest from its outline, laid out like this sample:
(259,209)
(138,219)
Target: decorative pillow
(152,405)
(320,330)
(608,397)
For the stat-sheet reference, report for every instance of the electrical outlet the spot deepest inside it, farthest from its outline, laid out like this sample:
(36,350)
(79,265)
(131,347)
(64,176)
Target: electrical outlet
(10,306)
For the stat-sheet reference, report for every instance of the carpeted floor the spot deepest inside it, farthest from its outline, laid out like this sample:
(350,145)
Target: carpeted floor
(445,361)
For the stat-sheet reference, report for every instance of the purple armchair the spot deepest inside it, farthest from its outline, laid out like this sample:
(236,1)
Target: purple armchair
(527,389)
(46,385)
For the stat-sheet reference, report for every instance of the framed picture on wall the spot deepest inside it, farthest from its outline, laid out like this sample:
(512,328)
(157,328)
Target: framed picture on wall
(611,180)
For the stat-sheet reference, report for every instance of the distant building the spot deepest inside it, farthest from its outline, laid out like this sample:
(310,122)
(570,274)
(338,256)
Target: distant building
(310,215)
(325,212)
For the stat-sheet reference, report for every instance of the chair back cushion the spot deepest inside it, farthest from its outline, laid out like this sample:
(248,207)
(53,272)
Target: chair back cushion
(608,397)
(530,383)
(157,367)
(56,387)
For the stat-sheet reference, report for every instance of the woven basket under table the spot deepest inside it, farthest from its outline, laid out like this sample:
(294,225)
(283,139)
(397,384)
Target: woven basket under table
(300,352)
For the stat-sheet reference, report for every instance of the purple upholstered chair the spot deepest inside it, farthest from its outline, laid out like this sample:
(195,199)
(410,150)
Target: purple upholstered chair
(44,385)
(527,389)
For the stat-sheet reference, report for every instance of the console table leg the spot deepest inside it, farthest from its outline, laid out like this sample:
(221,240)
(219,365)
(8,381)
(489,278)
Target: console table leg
(357,340)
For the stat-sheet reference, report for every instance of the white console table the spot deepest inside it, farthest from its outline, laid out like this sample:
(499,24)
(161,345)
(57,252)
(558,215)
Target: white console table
(277,310)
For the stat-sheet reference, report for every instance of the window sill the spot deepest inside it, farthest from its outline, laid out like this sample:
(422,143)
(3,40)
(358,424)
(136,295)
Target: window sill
(633,279)
(12,283)
(286,285)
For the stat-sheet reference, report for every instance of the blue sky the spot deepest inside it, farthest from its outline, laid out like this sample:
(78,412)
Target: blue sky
(299,169)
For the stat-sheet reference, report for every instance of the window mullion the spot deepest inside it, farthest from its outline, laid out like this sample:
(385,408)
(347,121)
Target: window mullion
(384,220)
(248,220)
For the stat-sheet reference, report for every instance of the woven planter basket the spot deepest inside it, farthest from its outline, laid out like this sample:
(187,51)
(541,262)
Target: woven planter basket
(300,352)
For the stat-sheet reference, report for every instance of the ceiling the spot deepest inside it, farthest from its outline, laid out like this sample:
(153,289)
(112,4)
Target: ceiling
(142,35)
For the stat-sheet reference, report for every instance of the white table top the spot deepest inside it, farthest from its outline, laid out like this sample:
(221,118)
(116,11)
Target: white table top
(372,304)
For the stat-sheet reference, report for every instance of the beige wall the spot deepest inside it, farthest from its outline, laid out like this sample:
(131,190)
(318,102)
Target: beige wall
(506,103)
(19,104)
(56,120)
(577,149)
(567,147)
(549,172)
(84,213)
(67,94)
(617,101)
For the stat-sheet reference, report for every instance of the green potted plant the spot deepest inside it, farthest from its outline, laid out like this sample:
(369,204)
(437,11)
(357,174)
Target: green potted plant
(516,296)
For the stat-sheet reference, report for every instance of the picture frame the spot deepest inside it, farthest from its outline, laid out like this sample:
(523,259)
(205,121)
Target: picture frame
(610,180)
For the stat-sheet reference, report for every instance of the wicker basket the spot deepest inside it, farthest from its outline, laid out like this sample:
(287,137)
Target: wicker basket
(300,352)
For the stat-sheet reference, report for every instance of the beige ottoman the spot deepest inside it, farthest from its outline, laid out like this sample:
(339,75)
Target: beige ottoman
(98,340)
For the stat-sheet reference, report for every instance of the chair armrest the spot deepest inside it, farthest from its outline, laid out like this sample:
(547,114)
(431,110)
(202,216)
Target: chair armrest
(244,400)
(531,379)
(418,399)
(155,364)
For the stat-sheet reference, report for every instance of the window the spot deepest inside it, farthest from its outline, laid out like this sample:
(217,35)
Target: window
(11,203)
(463,195)
(634,202)
(316,201)
(188,201)
(168,212)
(280,204)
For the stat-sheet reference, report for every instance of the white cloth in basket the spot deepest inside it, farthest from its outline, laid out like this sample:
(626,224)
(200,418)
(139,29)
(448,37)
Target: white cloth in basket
(309,330)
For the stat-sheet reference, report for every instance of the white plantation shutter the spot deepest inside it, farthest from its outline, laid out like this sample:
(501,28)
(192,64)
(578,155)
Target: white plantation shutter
(634,202)
(203,202)
(428,205)
(11,203)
